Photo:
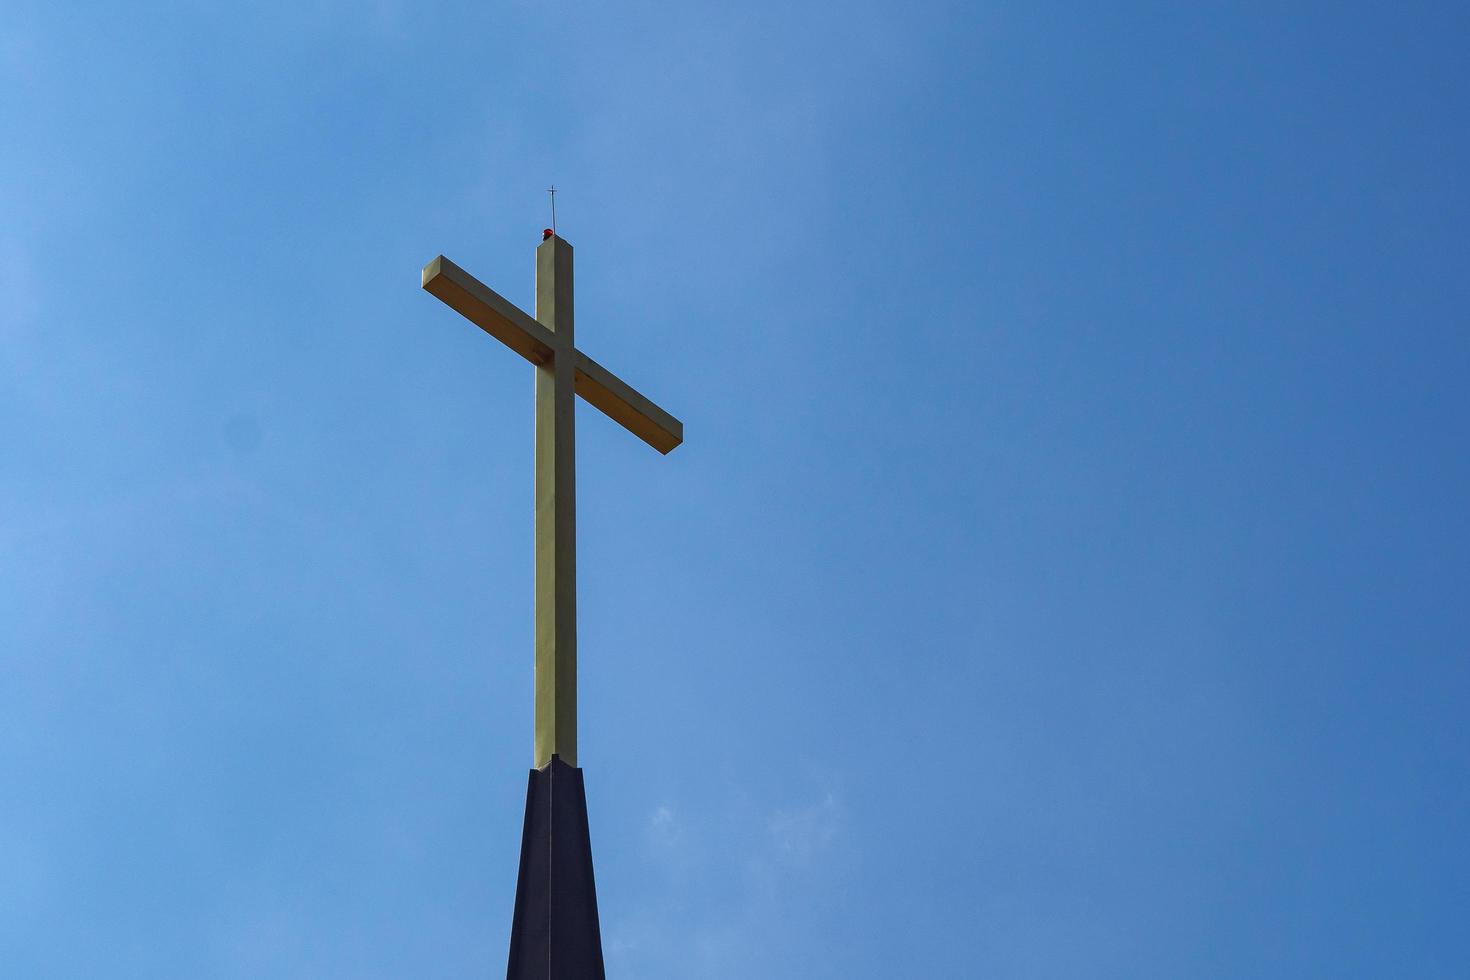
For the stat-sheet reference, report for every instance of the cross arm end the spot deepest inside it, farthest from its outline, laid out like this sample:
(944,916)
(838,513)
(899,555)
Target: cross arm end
(487,309)
(617,400)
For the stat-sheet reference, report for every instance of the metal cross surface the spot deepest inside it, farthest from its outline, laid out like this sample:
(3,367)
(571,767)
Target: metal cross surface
(562,371)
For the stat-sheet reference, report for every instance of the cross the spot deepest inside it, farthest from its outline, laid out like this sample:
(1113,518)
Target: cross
(562,371)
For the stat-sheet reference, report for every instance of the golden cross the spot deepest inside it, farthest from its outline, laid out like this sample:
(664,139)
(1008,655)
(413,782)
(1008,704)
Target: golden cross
(562,371)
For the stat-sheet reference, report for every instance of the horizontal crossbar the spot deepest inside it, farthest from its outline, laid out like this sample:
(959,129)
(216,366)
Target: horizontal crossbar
(506,322)
(488,310)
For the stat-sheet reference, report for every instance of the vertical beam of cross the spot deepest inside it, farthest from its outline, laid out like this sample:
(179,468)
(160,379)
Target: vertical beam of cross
(556,511)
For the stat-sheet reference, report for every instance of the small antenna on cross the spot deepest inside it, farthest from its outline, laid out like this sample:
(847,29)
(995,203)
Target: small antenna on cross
(552,191)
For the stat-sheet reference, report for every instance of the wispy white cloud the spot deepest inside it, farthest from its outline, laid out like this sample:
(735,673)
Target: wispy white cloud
(799,836)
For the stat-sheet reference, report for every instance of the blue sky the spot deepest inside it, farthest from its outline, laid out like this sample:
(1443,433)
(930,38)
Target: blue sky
(1064,574)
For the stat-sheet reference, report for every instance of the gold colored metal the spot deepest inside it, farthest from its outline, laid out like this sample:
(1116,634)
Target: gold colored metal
(488,310)
(556,512)
(618,401)
(501,319)
(562,372)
